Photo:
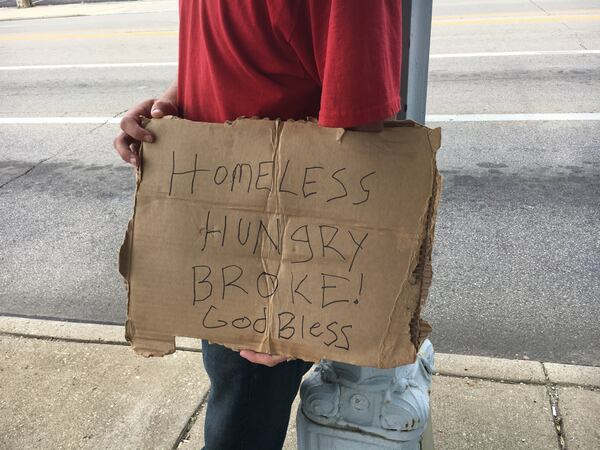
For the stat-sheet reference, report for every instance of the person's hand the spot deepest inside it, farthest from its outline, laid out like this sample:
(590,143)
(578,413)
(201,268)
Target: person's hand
(262,358)
(127,142)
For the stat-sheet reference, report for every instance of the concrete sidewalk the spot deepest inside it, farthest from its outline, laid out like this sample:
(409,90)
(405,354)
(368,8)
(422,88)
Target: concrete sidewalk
(72,385)
(88,9)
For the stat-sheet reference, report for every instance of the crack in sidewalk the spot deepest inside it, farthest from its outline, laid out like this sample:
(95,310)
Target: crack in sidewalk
(552,391)
(184,435)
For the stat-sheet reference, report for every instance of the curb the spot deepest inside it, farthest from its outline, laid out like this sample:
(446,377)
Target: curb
(63,330)
(449,365)
(515,371)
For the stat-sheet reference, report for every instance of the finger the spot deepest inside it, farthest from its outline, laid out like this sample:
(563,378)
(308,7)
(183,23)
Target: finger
(267,360)
(135,148)
(132,126)
(122,145)
(262,358)
(163,108)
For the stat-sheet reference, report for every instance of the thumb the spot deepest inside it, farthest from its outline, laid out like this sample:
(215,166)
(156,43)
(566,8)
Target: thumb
(162,108)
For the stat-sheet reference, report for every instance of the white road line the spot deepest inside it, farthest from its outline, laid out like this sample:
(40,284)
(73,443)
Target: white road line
(512,117)
(429,118)
(503,54)
(89,66)
(174,63)
(57,120)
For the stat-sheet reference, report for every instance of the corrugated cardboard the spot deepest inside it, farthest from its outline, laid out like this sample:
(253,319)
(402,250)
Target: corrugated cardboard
(283,237)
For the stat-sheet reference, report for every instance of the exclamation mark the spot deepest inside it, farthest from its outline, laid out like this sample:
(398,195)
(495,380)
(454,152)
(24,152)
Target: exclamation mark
(360,288)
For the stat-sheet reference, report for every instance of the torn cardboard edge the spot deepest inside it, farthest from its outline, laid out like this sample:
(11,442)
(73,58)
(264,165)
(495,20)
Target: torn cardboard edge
(158,344)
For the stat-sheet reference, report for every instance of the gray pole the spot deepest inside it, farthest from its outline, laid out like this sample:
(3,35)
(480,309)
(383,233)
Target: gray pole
(418,60)
(406,18)
(363,408)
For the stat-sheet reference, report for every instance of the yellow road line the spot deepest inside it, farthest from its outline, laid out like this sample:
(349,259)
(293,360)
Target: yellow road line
(437,21)
(98,35)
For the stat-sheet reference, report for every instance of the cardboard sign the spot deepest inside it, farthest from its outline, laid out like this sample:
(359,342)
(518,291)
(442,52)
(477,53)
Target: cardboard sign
(284,238)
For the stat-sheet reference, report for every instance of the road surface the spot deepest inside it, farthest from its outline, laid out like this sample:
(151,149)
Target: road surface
(517,257)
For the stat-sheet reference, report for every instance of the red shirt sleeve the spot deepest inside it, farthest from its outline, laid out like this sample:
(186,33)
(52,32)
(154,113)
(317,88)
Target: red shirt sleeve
(357,48)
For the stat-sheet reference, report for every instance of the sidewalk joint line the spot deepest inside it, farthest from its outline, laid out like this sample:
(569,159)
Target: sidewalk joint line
(184,435)
(552,391)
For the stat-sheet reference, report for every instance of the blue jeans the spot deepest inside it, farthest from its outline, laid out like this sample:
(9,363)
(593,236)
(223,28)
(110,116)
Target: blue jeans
(248,404)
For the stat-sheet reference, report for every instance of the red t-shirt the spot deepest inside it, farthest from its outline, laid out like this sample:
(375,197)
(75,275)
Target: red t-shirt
(338,60)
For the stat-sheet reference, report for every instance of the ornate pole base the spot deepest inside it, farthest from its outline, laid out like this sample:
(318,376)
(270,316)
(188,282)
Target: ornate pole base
(350,407)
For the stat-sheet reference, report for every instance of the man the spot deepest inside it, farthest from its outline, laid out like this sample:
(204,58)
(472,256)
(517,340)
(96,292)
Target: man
(338,60)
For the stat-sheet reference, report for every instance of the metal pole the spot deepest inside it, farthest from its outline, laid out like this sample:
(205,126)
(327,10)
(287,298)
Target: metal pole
(418,60)
(406,18)
(363,408)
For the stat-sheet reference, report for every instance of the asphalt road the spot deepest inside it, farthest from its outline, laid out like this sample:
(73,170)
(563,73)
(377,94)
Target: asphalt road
(517,258)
